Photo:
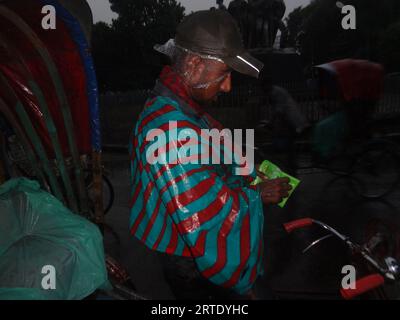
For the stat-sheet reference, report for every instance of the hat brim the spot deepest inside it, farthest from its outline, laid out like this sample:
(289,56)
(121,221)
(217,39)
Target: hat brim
(245,63)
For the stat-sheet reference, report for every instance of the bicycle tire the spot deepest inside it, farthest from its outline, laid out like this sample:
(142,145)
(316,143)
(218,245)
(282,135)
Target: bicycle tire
(376,170)
(340,165)
(110,192)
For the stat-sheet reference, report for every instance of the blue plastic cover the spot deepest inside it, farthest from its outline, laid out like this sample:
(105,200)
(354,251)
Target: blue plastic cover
(79,38)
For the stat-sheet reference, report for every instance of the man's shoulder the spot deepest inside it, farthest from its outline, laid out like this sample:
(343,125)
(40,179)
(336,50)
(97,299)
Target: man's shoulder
(159,106)
(159,102)
(160,110)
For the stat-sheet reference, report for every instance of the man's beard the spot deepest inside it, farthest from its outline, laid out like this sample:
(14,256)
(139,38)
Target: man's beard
(210,102)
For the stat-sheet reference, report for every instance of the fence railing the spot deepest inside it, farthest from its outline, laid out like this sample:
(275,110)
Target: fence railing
(242,108)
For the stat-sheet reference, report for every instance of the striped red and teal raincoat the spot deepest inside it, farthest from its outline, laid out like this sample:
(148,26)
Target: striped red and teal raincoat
(202,211)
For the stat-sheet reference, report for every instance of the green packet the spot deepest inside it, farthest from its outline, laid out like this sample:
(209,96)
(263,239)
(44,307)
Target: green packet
(272,171)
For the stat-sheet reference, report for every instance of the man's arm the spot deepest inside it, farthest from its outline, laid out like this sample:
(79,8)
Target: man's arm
(220,223)
(218,216)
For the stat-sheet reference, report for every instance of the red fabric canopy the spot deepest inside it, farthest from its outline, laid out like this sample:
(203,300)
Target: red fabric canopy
(31,66)
(356,79)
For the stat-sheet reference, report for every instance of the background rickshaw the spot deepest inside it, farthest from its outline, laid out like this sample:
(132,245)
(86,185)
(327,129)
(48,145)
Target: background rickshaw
(351,140)
(348,139)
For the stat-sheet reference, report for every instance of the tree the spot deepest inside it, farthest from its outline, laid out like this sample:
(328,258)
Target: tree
(323,39)
(294,23)
(104,54)
(390,47)
(123,52)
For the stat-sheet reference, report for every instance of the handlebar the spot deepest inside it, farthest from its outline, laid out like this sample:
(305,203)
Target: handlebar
(306,222)
(362,285)
(297,224)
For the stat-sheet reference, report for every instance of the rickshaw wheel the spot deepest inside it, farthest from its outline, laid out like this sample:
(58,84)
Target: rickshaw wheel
(108,192)
(376,170)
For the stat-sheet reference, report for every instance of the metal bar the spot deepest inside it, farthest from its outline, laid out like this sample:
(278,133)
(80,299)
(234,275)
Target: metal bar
(98,187)
(332,230)
(36,142)
(25,143)
(2,166)
(52,130)
(317,241)
(67,117)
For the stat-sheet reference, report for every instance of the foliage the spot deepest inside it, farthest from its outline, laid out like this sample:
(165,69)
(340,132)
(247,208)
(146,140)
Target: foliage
(317,31)
(123,51)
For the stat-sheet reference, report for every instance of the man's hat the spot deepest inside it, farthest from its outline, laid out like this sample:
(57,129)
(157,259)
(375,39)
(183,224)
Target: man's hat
(214,34)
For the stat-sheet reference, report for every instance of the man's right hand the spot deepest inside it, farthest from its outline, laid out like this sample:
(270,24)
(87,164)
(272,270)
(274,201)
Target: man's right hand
(273,191)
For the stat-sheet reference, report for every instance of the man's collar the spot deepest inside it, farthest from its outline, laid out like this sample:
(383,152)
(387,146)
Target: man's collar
(174,82)
(170,85)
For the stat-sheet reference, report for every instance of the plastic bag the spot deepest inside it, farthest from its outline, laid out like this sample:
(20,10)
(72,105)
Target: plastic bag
(46,251)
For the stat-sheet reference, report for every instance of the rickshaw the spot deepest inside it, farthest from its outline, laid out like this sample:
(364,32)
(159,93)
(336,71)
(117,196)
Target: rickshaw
(50,129)
(348,141)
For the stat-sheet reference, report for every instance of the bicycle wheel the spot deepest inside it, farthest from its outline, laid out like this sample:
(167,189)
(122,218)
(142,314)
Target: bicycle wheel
(108,192)
(377,171)
(340,165)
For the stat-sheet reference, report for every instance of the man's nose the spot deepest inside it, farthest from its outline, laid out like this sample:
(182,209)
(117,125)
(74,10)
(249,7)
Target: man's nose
(226,85)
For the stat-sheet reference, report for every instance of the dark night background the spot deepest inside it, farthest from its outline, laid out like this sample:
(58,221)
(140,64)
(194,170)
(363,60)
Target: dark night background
(126,61)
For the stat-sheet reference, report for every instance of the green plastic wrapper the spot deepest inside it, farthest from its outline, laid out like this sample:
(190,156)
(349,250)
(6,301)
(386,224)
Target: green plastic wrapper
(272,171)
(46,251)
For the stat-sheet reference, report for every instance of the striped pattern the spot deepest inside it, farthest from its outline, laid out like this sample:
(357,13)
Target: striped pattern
(194,210)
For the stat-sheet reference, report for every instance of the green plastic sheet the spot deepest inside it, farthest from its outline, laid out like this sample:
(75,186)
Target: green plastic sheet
(46,251)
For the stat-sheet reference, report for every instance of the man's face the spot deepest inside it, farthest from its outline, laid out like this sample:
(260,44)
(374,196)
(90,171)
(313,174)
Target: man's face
(215,78)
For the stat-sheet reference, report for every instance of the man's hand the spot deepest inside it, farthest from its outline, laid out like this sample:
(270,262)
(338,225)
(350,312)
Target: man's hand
(273,191)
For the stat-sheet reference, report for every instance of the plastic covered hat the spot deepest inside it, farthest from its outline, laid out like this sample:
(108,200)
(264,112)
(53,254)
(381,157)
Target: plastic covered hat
(213,34)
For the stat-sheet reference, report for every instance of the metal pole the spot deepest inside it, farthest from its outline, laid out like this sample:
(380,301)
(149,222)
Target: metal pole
(36,142)
(2,167)
(98,188)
